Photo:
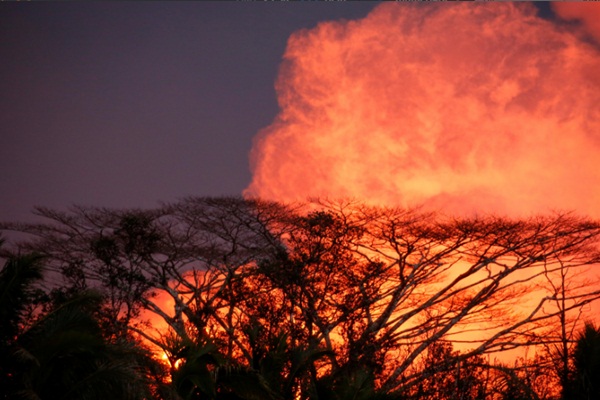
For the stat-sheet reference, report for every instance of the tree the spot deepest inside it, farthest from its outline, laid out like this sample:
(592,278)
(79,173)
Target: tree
(17,293)
(584,380)
(443,376)
(563,285)
(62,353)
(361,294)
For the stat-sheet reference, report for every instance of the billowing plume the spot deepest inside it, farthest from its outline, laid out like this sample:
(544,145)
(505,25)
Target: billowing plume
(461,107)
(587,13)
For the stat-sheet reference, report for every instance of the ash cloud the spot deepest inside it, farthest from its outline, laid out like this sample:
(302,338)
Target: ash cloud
(461,107)
(586,13)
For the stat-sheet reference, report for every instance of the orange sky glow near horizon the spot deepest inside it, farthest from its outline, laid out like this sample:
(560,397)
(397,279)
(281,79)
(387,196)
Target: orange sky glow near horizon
(465,108)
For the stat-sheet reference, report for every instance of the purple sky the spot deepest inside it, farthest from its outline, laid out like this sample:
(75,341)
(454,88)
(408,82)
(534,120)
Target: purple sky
(128,104)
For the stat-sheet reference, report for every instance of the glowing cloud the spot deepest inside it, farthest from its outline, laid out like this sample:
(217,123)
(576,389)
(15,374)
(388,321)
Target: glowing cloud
(587,13)
(462,107)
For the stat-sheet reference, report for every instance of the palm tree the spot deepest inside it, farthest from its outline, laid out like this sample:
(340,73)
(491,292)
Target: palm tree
(65,356)
(16,292)
(62,354)
(17,277)
(585,380)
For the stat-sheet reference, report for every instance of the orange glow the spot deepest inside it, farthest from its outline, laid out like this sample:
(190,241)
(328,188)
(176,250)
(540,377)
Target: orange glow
(165,359)
(588,13)
(462,107)
(466,108)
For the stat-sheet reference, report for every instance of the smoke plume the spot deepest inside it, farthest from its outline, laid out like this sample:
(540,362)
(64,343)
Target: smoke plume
(461,107)
(586,13)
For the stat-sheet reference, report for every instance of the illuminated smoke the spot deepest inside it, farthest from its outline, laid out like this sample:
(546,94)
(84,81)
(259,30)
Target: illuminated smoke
(587,13)
(462,107)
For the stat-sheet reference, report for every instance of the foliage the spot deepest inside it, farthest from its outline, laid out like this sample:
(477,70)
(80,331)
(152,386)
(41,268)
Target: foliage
(63,354)
(584,382)
(325,299)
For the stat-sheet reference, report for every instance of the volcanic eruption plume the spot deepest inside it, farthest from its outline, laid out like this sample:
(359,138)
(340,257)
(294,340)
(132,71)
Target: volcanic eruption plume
(462,107)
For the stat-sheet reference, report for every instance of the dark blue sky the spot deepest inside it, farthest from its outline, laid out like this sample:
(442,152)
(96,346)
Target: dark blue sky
(128,104)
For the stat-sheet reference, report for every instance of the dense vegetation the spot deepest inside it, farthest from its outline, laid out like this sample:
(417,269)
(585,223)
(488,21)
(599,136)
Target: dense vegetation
(325,300)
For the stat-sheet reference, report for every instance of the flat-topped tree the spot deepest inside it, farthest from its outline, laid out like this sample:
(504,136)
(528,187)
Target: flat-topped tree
(360,288)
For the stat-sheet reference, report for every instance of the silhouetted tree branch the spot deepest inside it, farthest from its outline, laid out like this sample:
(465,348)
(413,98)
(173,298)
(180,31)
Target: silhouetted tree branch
(372,291)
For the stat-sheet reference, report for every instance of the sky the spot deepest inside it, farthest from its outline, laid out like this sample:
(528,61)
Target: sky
(128,104)
(467,108)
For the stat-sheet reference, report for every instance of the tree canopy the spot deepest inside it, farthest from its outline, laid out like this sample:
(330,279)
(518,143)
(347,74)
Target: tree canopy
(323,299)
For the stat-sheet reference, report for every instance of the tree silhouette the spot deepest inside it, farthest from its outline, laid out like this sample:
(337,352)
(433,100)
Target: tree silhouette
(317,297)
(584,382)
(62,354)
(17,279)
